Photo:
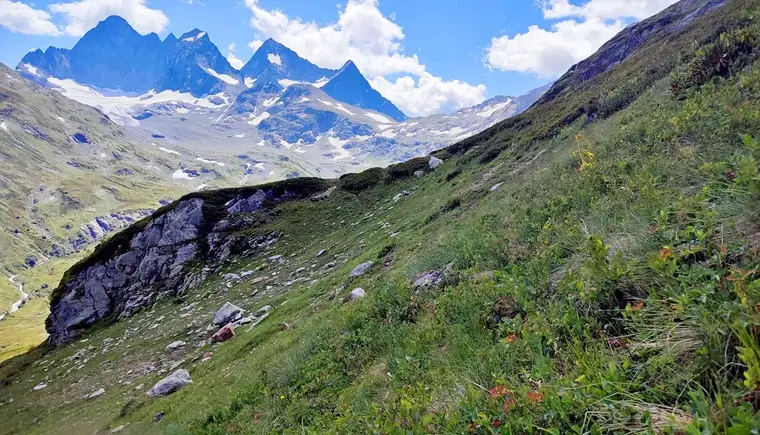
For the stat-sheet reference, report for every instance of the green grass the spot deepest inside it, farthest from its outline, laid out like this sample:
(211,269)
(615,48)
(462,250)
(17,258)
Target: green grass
(626,250)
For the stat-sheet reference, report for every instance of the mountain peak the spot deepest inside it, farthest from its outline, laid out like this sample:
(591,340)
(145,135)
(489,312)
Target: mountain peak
(115,20)
(350,86)
(349,67)
(274,61)
(193,36)
(270,44)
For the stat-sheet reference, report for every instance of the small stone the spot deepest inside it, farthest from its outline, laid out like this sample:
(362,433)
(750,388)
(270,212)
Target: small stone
(231,276)
(95,394)
(330,265)
(119,429)
(244,321)
(419,174)
(428,280)
(170,384)
(276,259)
(263,310)
(40,386)
(175,345)
(495,187)
(224,334)
(158,417)
(284,326)
(321,253)
(356,293)
(361,269)
(434,162)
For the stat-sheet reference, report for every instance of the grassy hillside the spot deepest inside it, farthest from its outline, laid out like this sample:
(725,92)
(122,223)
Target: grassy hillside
(601,274)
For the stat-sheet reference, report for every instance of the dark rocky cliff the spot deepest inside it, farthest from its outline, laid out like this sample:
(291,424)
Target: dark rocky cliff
(154,258)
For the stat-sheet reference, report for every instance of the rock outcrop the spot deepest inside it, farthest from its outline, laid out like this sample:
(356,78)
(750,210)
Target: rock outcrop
(153,259)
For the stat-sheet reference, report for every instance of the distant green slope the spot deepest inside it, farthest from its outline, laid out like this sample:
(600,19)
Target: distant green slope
(600,275)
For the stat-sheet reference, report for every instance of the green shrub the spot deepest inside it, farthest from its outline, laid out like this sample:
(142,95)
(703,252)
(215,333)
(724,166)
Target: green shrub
(356,183)
(728,54)
(407,169)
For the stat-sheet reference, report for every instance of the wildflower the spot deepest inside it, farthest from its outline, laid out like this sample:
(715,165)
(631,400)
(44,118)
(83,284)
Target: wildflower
(509,404)
(731,175)
(511,338)
(535,397)
(499,391)
(665,253)
(617,344)
(637,306)
(496,424)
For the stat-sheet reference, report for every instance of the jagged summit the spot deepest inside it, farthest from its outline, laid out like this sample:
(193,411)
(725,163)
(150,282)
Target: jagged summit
(274,61)
(351,86)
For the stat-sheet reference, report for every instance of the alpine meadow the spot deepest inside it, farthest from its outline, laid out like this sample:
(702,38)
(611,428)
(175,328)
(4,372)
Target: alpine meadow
(589,263)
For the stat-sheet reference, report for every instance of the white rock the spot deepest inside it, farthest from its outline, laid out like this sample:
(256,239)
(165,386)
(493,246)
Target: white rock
(40,386)
(96,394)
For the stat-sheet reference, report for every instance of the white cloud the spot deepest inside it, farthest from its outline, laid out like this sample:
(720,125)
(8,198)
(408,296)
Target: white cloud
(429,94)
(22,18)
(550,52)
(255,44)
(374,42)
(604,9)
(232,59)
(83,15)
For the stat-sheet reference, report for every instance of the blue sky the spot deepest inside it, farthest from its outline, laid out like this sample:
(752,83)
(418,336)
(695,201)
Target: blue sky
(427,56)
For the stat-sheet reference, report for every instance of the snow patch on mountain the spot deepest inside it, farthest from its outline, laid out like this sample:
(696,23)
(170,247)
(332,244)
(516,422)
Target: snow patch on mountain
(223,77)
(195,38)
(119,107)
(3,126)
(340,107)
(490,111)
(257,119)
(249,82)
(274,59)
(179,174)
(31,69)
(378,118)
(168,151)
(210,162)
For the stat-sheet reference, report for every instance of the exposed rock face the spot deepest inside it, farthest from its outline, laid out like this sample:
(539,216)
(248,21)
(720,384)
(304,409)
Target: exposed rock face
(150,261)
(630,40)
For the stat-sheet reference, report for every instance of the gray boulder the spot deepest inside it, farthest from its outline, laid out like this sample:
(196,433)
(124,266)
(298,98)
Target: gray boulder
(434,162)
(361,269)
(227,314)
(175,345)
(170,384)
(356,293)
